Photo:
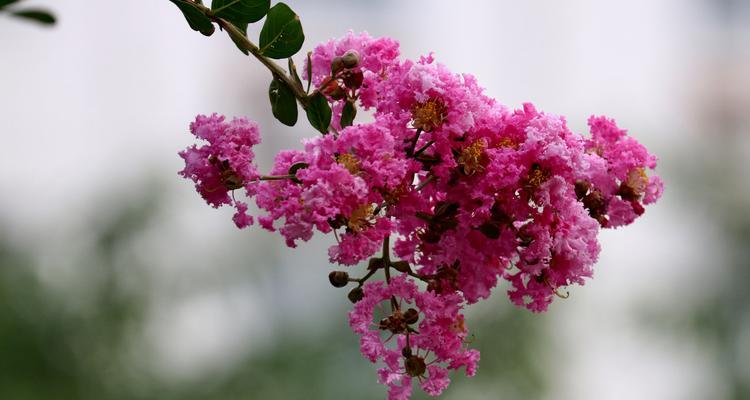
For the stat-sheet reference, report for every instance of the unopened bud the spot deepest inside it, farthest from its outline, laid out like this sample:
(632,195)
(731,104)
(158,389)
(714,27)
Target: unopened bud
(353,79)
(582,189)
(594,201)
(356,294)
(350,59)
(406,352)
(338,278)
(415,366)
(411,316)
(337,64)
(334,91)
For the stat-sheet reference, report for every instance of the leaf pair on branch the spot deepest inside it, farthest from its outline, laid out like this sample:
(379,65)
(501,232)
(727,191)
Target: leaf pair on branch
(280,37)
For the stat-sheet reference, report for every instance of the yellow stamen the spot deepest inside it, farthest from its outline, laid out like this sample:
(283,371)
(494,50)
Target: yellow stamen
(458,326)
(428,115)
(393,195)
(349,161)
(637,180)
(507,143)
(472,157)
(537,176)
(360,218)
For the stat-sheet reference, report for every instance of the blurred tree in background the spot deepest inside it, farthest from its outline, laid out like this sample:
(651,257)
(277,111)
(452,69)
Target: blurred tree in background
(82,343)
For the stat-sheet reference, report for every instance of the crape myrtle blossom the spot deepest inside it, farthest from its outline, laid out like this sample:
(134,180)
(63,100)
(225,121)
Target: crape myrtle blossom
(464,191)
(429,338)
(224,163)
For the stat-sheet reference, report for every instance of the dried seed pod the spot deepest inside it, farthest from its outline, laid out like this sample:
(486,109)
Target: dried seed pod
(411,316)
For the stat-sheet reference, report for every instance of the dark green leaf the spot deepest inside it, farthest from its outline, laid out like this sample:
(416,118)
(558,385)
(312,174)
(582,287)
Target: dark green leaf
(4,3)
(240,12)
(282,35)
(348,114)
(293,73)
(309,71)
(283,103)
(40,16)
(196,19)
(319,112)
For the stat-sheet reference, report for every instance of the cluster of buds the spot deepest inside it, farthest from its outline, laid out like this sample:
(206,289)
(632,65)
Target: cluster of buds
(345,79)
(464,191)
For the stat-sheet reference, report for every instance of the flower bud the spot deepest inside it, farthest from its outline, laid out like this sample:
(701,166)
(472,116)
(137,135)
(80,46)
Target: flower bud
(334,91)
(350,59)
(356,294)
(595,202)
(406,352)
(338,278)
(353,79)
(581,188)
(337,65)
(411,316)
(415,366)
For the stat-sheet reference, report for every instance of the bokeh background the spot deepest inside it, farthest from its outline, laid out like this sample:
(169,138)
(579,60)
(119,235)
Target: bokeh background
(118,282)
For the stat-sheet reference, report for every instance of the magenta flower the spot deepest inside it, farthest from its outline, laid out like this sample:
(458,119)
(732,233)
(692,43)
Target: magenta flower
(472,192)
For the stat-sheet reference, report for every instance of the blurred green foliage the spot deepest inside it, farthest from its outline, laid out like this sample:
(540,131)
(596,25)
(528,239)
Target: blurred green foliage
(718,319)
(50,349)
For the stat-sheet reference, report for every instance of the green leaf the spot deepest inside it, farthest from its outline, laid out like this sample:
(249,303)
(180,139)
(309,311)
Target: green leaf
(4,3)
(309,71)
(196,19)
(40,16)
(282,35)
(283,103)
(348,114)
(240,12)
(319,112)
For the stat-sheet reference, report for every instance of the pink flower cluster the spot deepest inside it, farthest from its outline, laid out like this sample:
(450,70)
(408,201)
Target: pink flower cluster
(435,327)
(470,191)
(225,163)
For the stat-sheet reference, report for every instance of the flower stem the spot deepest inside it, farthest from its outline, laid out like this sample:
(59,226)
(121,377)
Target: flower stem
(275,177)
(424,182)
(387,258)
(240,38)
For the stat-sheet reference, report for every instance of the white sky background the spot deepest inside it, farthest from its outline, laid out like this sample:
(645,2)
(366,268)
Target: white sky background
(93,105)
